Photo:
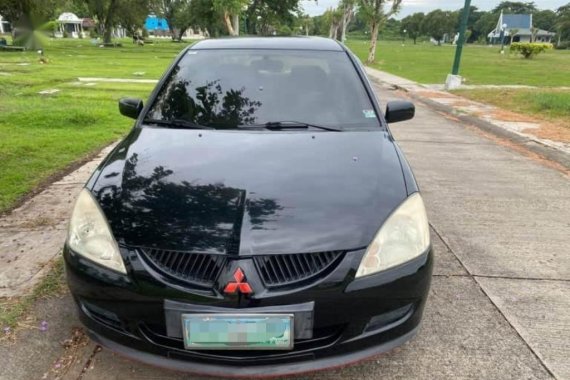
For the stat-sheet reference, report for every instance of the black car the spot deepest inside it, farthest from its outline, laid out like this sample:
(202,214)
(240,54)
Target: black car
(259,219)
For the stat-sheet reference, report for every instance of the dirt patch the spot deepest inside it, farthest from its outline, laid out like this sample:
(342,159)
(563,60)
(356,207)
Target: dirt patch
(436,94)
(41,221)
(464,103)
(72,347)
(505,115)
(551,131)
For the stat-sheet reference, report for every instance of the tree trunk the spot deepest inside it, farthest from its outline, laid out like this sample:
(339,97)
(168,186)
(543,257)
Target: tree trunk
(415,39)
(182,31)
(343,32)
(107,37)
(228,23)
(373,39)
(171,29)
(346,17)
(108,24)
(235,23)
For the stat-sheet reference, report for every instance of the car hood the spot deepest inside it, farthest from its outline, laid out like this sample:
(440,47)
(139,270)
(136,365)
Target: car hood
(249,193)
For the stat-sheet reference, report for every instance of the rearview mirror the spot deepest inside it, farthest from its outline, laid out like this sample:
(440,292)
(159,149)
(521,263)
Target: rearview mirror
(130,107)
(399,110)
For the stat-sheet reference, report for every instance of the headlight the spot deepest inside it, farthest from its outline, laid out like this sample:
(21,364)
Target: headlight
(404,236)
(90,236)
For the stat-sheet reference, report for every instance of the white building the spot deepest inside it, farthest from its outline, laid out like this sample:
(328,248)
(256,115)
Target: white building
(5,26)
(69,24)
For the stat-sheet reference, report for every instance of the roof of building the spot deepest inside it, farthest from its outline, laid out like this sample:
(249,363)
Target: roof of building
(88,23)
(520,24)
(285,43)
(154,22)
(517,21)
(68,17)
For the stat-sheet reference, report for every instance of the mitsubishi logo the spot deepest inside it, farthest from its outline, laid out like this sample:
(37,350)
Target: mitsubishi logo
(239,286)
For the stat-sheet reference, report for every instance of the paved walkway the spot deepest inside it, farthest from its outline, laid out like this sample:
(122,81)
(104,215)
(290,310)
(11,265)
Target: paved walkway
(498,307)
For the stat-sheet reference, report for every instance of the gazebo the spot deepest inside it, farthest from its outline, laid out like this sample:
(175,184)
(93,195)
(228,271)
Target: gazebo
(71,24)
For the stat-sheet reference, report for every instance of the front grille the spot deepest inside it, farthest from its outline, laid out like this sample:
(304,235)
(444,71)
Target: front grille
(197,268)
(292,269)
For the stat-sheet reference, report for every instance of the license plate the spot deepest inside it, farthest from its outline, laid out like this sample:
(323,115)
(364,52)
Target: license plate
(238,331)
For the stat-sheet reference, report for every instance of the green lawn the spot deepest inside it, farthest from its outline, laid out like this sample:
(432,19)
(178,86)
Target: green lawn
(42,134)
(546,104)
(426,63)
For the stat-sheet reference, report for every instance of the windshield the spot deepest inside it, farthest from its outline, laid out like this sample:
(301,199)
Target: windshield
(227,89)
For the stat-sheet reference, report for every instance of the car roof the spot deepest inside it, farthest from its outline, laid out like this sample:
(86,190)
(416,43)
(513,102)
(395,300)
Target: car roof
(285,43)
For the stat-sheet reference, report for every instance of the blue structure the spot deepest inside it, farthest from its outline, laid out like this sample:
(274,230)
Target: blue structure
(518,28)
(153,24)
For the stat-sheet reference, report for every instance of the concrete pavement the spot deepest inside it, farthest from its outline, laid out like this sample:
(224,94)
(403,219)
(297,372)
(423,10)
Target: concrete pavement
(500,298)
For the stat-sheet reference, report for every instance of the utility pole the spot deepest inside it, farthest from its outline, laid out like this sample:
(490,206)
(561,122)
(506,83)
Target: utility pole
(454,80)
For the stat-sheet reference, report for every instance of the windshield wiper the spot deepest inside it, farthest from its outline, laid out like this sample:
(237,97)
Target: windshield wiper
(176,123)
(279,125)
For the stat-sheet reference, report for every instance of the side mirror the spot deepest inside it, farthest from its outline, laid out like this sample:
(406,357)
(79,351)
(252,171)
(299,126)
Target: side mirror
(130,107)
(399,110)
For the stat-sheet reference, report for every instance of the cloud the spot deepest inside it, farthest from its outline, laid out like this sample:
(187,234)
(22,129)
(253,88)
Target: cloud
(314,8)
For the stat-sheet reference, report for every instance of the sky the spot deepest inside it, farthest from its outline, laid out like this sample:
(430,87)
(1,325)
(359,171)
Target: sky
(411,6)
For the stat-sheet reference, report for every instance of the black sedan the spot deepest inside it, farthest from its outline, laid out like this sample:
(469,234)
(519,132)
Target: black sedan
(259,218)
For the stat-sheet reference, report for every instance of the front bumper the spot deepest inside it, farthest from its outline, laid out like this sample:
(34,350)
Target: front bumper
(352,319)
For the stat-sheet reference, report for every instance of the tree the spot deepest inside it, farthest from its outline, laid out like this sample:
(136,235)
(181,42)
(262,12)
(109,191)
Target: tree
(374,14)
(438,23)
(512,33)
(545,20)
(104,12)
(412,25)
(31,17)
(174,12)
(333,18)
(203,16)
(516,7)
(263,16)
(306,23)
(485,25)
(358,23)
(347,7)
(131,14)
(77,7)
(230,10)
(28,14)
(319,26)
(563,23)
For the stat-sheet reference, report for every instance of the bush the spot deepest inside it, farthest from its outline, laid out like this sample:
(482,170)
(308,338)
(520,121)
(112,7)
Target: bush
(528,49)
(563,45)
(284,30)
